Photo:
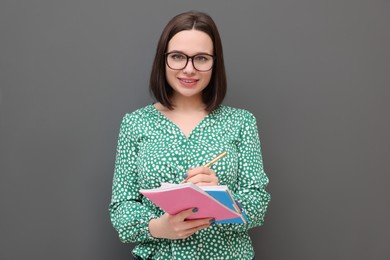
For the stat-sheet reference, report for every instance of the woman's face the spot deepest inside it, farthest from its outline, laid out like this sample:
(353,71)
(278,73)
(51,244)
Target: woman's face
(189,82)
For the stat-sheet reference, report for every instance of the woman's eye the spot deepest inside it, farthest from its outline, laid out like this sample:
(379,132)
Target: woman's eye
(201,58)
(177,56)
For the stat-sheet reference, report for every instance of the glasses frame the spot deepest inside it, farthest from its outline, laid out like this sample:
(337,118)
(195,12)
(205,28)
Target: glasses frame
(192,60)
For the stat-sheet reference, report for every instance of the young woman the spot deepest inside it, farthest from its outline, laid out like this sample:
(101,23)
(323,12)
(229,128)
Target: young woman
(168,140)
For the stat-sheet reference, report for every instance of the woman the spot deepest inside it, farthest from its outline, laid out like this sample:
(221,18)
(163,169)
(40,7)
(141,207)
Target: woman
(168,140)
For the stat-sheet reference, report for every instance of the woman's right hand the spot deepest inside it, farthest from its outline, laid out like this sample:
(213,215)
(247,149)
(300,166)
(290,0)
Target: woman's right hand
(176,227)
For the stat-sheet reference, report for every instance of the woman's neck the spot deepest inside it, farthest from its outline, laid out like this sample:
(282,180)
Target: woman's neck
(183,104)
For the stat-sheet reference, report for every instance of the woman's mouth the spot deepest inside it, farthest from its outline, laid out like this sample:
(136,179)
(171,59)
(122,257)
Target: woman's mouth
(188,82)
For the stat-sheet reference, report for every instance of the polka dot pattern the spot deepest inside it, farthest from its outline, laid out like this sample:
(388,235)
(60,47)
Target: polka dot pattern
(152,149)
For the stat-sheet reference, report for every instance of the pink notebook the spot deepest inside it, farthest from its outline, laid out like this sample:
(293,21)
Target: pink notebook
(178,197)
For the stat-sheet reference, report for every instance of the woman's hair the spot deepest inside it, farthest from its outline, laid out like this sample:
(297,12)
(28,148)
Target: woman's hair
(214,93)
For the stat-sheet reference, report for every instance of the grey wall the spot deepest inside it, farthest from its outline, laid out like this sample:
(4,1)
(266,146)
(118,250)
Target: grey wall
(315,73)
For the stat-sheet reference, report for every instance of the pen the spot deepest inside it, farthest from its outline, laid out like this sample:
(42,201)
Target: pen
(210,163)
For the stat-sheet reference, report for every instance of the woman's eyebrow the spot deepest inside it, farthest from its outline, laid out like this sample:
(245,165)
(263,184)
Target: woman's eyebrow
(198,53)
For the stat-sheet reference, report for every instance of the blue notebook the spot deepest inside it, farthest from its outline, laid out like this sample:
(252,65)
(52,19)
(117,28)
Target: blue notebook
(223,195)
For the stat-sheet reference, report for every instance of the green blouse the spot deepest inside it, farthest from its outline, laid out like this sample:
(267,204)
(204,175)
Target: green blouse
(152,149)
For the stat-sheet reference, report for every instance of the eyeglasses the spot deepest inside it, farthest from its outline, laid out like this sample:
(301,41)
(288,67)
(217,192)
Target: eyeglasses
(178,61)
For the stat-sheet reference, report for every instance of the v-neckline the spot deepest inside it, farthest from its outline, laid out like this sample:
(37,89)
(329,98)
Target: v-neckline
(175,126)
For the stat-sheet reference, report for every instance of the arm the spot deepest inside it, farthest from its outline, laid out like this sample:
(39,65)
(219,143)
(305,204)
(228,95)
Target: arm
(133,221)
(252,180)
(128,215)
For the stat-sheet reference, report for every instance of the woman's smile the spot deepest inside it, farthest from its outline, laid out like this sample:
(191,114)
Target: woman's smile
(188,82)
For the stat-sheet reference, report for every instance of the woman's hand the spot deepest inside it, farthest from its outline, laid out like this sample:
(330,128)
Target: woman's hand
(202,176)
(176,227)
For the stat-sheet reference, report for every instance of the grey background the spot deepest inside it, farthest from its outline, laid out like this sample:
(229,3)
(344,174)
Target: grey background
(315,73)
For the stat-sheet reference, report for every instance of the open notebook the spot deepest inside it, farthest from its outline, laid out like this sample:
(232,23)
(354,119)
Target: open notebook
(211,201)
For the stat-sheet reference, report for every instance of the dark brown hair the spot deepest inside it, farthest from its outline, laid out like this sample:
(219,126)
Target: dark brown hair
(214,93)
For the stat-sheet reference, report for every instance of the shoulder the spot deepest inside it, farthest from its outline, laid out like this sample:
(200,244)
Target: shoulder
(135,116)
(138,119)
(238,115)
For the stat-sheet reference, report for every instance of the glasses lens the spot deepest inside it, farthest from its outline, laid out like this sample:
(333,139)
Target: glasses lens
(176,61)
(201,62)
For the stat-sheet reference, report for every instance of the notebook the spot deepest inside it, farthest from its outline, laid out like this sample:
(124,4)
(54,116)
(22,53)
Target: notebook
(211,201)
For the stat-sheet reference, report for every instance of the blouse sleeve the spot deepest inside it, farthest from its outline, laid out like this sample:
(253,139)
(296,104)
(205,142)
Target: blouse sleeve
(128,215)
(252,180)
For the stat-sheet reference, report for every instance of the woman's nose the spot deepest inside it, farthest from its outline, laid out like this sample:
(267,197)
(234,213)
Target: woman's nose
(189,68)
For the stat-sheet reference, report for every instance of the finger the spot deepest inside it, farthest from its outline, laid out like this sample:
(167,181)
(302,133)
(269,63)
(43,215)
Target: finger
(187,228)
(200,170)
(203,178)
(207,184)
(191,231)
(204,225)
(189,224)
(181,216)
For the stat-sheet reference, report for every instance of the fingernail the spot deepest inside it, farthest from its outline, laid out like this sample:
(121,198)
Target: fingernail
(185,175)
(195,210)
(212,221)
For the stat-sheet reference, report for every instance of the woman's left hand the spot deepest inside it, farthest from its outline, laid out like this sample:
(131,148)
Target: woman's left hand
(202,176)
